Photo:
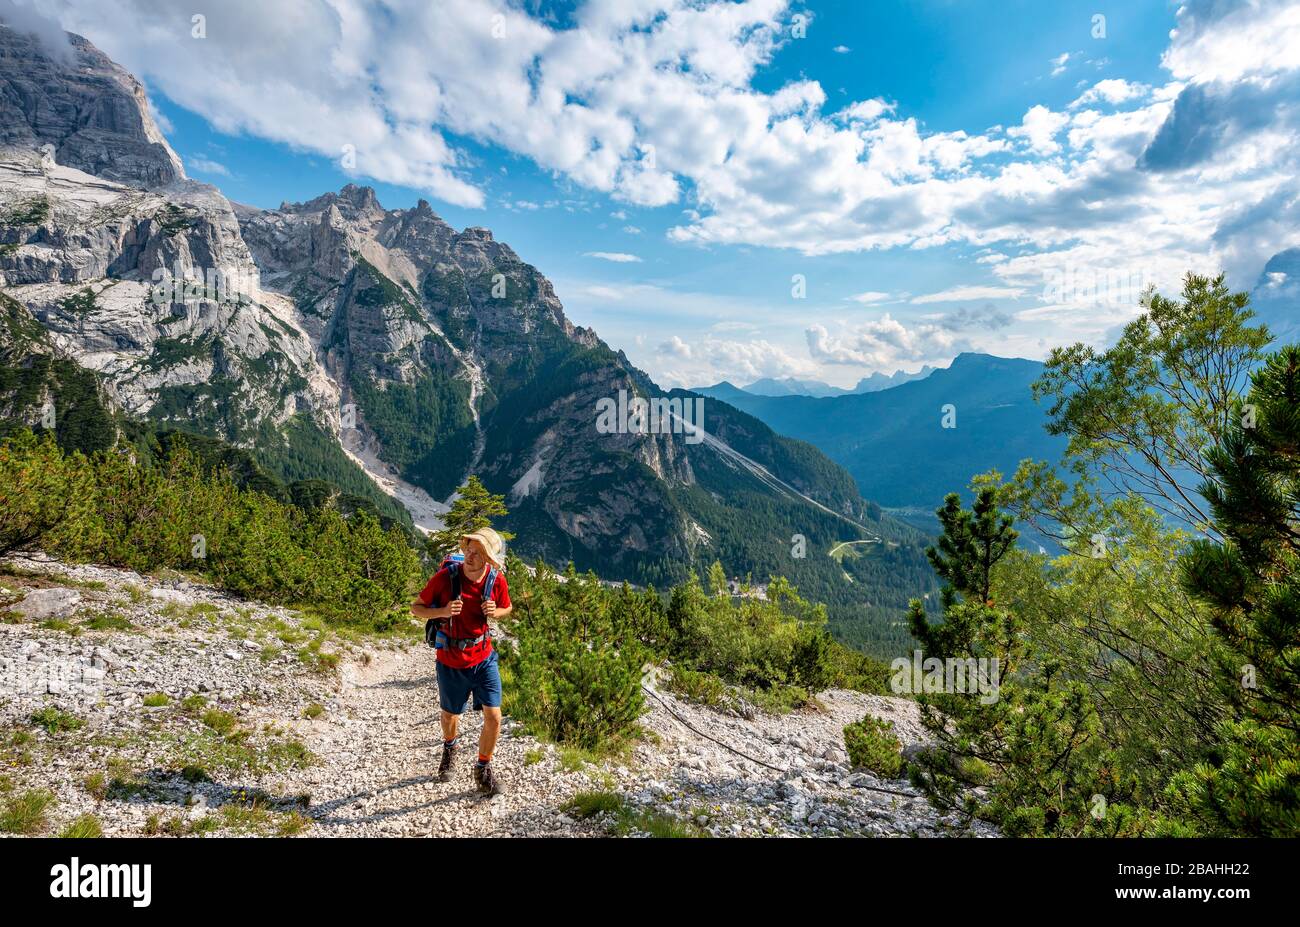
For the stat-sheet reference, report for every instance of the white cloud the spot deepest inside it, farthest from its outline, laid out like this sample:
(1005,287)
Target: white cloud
(866,110)
(653,102)
(1059,63)
(710,359)
(869,297)
(26,18)
(1039,128)
(960,293)
(618,257)
(206,166)
(1112,91)
(1228,42)
(883,343)
(676,347)
(841,49)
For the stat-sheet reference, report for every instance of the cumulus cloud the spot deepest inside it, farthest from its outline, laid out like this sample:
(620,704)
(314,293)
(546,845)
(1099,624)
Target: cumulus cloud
(1111,91)
(655,103)
(1039,128)
(711,359)
(883,343)
(617,257)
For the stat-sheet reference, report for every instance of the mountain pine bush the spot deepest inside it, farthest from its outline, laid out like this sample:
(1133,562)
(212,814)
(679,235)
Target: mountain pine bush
(872,744)
(177,514)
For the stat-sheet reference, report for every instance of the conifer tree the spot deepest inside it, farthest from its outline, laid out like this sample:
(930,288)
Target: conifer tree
(1251,581)
(474,508)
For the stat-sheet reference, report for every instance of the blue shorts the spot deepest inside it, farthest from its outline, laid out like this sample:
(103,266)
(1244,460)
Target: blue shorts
(482,679)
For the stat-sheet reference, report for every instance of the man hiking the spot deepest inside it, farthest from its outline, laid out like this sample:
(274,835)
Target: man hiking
(467,664)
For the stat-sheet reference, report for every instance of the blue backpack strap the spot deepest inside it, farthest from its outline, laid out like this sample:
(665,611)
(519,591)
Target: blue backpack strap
(453,570)
(489,583)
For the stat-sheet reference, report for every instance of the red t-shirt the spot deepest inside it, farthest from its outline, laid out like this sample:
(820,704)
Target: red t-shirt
(470,622)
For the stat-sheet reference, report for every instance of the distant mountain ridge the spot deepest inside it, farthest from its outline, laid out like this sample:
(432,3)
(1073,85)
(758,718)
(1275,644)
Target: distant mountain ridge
(792,386)
(894,442)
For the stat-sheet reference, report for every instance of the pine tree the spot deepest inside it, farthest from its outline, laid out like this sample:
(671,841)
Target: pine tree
(474,508)
(1251,783)
(1035,743)
(970,547)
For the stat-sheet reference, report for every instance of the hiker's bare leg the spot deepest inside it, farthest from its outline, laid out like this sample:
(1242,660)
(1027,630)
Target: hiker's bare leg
(449,723)
(487,738)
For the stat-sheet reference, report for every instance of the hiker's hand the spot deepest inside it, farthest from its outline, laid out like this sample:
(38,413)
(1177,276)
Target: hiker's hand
(454,607)
(490,609)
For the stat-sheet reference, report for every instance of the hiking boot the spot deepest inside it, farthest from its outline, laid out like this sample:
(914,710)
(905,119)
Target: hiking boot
(444,765)
(486,779)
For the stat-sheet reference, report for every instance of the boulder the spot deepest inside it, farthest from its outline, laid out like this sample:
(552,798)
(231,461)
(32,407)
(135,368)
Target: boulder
(43,604)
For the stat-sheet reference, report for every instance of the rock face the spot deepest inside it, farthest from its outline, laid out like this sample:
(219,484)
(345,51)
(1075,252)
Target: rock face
(92,112)
(97,263)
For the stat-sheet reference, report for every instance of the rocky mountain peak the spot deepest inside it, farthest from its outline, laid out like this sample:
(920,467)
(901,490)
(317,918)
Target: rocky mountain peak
(93,113)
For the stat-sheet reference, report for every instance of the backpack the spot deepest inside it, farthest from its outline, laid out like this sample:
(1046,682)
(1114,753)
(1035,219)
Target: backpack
(434,635)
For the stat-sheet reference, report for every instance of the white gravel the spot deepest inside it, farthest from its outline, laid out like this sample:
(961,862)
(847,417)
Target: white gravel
(376,739)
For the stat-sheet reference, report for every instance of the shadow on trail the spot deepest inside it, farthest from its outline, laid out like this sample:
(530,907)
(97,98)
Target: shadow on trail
(328,812)
(422,682)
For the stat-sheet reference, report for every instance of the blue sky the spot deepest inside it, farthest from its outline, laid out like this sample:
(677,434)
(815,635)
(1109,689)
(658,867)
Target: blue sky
(932,169)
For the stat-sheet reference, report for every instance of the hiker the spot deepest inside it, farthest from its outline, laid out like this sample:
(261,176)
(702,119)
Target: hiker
(467,664)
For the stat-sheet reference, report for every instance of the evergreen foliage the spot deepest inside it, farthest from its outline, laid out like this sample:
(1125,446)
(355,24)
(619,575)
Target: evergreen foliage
(177,513)
(1148,673)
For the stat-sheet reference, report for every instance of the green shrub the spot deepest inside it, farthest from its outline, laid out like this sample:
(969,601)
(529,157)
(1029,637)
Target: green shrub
(25,814)
(575,677)
(623,818)
(107,621)
(178,513)
(223,722)
(47,499)
(97,785)
(872,744)
(55,721)
(758,644)
(86,826)
(701,688)
(589,696)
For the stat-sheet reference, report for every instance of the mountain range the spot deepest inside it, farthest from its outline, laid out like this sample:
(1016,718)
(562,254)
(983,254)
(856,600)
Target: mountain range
(792,386)
(382,353)
(904,446)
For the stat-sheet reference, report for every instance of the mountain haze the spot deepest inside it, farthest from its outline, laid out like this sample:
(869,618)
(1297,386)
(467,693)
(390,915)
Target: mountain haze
(894,442)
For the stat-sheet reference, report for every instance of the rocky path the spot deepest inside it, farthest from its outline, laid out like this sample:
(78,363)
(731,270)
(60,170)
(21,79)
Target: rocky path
(379,754)
(378,757)
(162,706)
